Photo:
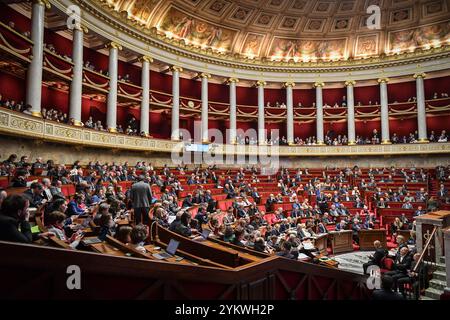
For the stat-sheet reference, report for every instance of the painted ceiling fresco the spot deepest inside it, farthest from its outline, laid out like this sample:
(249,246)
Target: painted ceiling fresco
(296,29)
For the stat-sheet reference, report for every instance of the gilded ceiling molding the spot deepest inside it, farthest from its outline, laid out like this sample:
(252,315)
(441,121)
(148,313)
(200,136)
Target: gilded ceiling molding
(151,38)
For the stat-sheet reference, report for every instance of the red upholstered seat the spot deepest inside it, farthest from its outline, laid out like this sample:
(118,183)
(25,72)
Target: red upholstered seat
(224,204)
(270,218)
(386,264)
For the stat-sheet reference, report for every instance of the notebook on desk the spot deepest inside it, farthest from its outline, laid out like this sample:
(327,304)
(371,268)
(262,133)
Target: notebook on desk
(170,250)
(171,219)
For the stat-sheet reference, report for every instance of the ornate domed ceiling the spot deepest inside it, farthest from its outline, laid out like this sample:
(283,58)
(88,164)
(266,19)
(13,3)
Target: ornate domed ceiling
(298,30)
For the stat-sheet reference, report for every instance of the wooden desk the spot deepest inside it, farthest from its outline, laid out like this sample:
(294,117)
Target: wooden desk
(341,241)
(107,248)
(199,248)
(241,252)
(152,249)
(367,237)
(320,242)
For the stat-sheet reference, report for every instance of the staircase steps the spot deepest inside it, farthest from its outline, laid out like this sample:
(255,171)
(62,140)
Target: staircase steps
(437,283)
(433,294)
(440,275)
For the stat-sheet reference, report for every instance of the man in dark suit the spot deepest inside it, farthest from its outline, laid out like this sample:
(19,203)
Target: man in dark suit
(321,200)
(187,202)
(270,202)
(418,277)
(256,196)
(14,217)
(443,192)
(386,293)
(141,195)
(402,264)
(286,251)
(34,194)
(375,260)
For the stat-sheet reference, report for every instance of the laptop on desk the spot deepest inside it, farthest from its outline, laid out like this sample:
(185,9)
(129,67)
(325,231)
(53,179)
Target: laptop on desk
(205,233)
(170,250)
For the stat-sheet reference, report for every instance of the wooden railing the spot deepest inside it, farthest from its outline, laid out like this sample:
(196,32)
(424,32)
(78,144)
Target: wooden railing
(34,272)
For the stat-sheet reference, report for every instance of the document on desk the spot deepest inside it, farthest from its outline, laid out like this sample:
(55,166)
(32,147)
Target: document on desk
(171,219)
(308,245)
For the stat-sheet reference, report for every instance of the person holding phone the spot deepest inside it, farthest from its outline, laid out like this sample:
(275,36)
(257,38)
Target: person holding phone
(55,224)
(14,217)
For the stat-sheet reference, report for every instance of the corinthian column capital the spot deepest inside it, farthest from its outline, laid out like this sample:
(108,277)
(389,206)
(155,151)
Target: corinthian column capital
(114,45)
(45,3)
(318,84)
(419,75)
(204,75)
(146,58)
(176,68)
(350,83)
(383,80)
(260,83)
(232,80)
(289,84)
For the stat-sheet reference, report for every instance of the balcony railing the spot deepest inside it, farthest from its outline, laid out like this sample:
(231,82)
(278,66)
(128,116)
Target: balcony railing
(21,125)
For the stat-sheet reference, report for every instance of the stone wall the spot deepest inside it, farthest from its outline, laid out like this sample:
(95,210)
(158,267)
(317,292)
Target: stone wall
(65,153)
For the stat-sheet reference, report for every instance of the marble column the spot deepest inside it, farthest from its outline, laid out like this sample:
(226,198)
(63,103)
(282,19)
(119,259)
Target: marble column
(421,112)
(319,113)
(232,83)
(176,102)
(34,74)
(145,102)
(111,106)
(205,103)
(385,135)
(76,86)
(351,131)
(289,112)
(261,128)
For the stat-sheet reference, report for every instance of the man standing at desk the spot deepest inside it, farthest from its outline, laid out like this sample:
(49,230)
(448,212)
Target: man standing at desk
(141,195)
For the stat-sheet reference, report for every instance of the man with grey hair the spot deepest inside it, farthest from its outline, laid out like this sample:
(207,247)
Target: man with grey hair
(402,264)
(46,192)
(377,257)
